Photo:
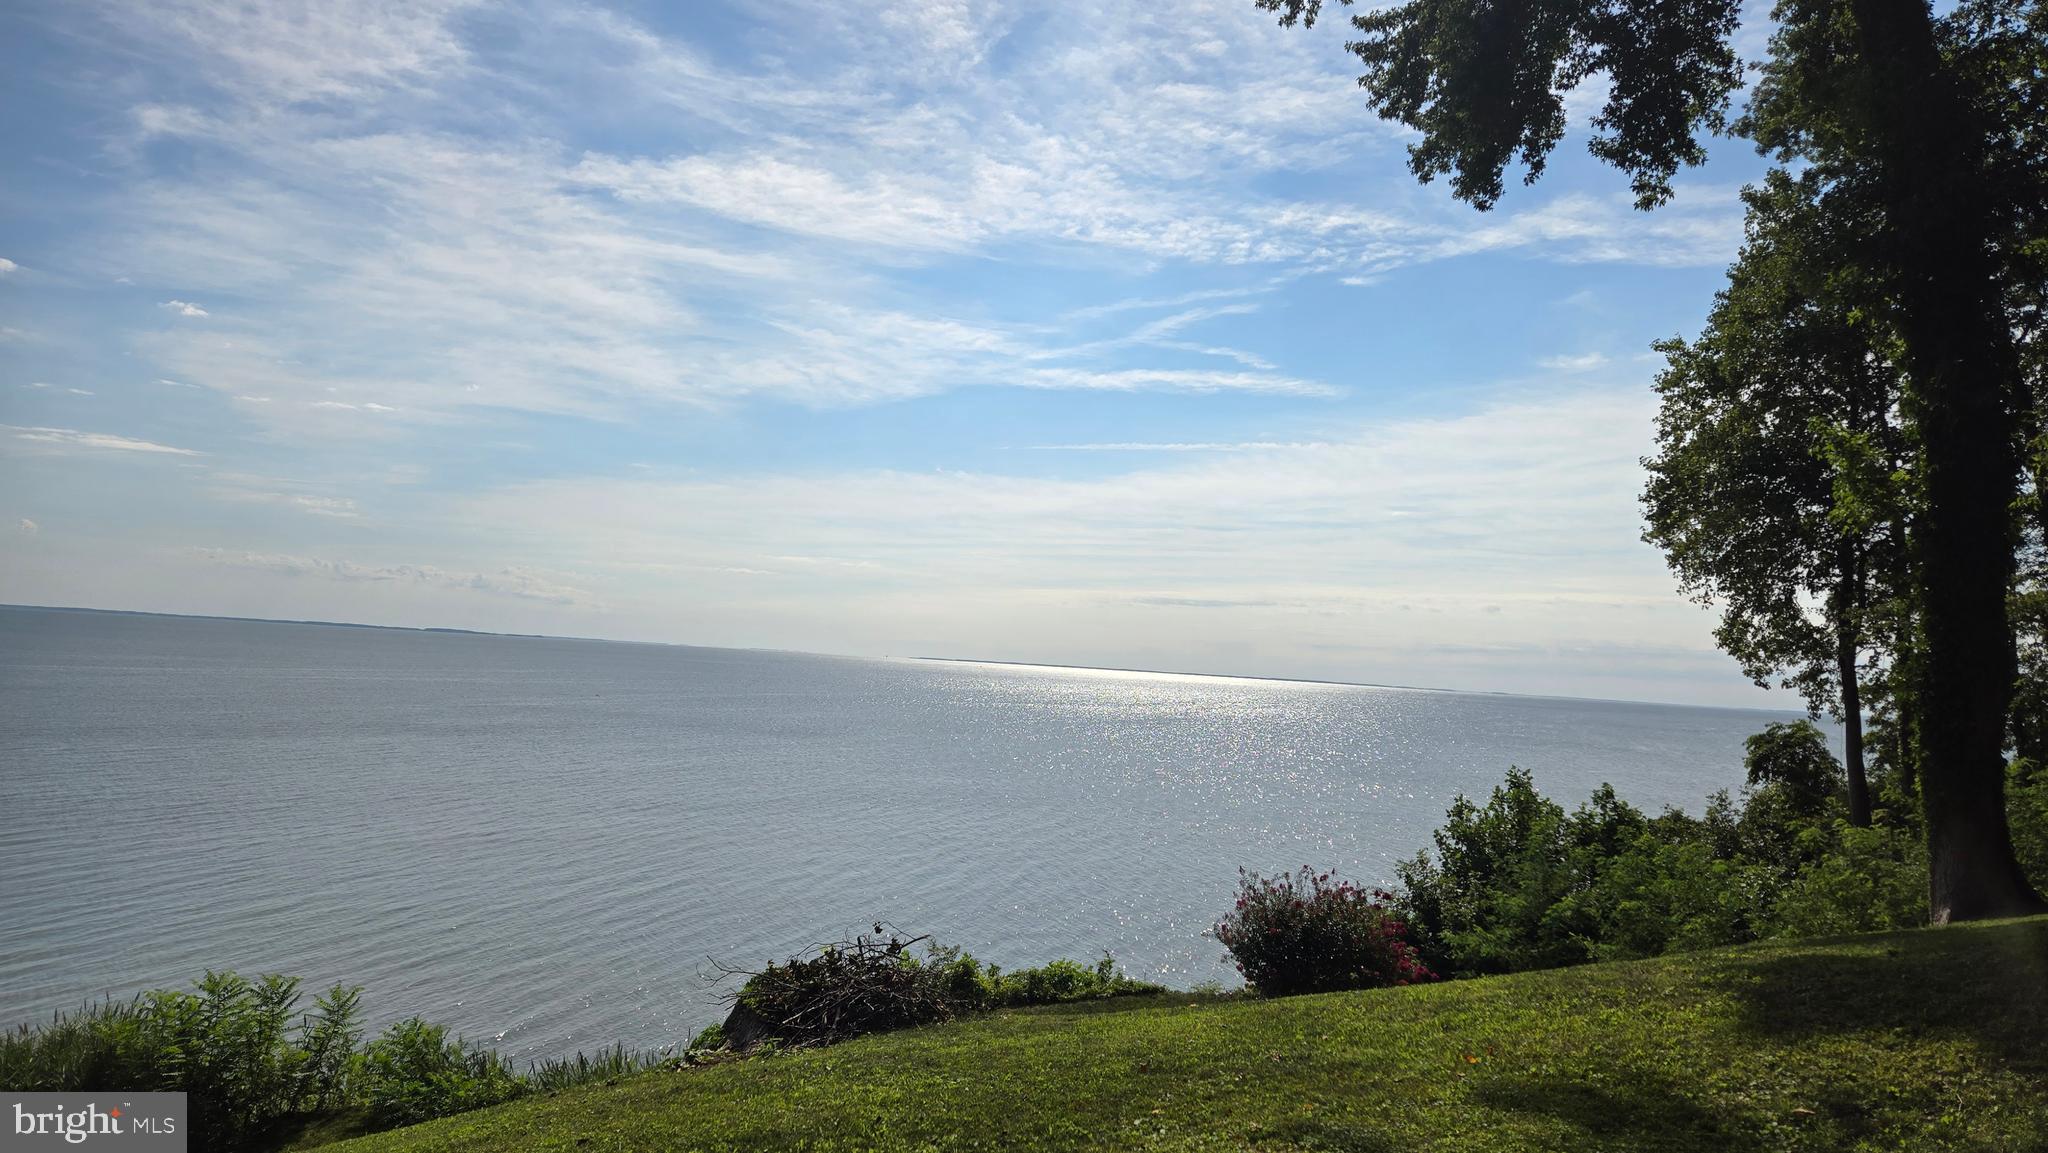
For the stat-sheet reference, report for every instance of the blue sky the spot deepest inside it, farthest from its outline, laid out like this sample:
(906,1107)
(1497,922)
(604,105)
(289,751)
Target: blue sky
(1107,333)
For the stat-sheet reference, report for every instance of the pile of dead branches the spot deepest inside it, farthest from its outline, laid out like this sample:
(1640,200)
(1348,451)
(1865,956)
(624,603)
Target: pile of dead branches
(835,991)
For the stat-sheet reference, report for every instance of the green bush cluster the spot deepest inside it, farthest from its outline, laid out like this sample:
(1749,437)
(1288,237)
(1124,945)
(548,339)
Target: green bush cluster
(252,1064)
(1054,983)
(2026,802)
(1519,883)
(872,985)
(231,1044)
(416,1072)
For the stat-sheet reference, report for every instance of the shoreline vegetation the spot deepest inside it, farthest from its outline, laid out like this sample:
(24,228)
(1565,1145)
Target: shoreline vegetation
(1922,1039)
(1511,887)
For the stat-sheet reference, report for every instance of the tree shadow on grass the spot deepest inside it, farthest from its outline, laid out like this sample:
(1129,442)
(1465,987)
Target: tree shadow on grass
(1639,1116)
(1984,983)
(1321,1134)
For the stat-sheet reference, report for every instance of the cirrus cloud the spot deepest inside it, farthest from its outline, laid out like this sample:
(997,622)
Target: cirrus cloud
(508,582)
(71,438)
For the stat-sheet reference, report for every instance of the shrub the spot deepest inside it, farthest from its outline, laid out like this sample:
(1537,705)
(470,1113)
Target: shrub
(413,1072)
(1061,982)
(1856,881)
(328,1041)
(229,1044)
(873,984)
(1519,884)
(95,1046)
(1308,933)
(2026,803)
(1660,890)
(1483,905)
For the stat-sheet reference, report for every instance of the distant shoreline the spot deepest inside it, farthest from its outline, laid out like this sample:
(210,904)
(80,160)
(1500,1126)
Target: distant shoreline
(1282,680)
(298,621)
(444,630)
(1346,684)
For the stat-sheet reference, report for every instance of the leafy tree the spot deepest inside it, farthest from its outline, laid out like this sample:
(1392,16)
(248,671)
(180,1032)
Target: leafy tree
(1884,105)
(1795,758)
(1863,95)
(1482,904)
(1775,491)
(2005,49)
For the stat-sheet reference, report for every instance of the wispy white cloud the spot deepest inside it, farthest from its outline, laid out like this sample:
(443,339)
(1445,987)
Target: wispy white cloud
(1182,300)
(771,191)
(1701,227)
(27,527)
(1580,362)
(7,266)
(508,582)
(436,271)
(1065,200)
(1172,379)
(1185,446)
(334,506)
(306,50)
(1511,494)
(347,406)
(71,438)
(317,498)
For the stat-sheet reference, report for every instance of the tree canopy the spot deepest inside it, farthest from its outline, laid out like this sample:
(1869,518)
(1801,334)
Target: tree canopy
(1485,83)
(1923,133)
(1778,490)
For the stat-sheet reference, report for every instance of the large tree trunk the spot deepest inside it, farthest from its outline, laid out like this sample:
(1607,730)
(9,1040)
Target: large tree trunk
(1905,743)
(1960,361)
(1847,611)
(1852,723)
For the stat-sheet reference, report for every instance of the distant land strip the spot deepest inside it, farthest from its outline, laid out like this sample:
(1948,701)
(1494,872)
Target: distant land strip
(847,656)
(1227,676)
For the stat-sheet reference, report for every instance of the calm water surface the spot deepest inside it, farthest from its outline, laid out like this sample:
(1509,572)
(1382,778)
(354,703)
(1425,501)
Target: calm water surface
(541,842)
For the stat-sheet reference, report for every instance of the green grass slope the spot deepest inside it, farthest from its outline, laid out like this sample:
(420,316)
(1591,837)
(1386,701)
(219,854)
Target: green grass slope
(1935,1039)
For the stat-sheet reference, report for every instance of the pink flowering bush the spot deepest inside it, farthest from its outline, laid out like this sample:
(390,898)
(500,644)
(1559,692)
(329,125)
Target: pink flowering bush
(1307,932)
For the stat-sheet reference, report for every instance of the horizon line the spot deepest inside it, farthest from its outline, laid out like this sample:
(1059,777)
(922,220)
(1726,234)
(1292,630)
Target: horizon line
(453,631)
(1338,684)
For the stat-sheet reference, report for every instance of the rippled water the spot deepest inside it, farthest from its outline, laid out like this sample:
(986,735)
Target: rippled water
(541,841)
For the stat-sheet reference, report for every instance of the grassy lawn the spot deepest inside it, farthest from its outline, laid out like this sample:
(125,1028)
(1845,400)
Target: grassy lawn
(1935,1039)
